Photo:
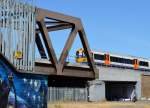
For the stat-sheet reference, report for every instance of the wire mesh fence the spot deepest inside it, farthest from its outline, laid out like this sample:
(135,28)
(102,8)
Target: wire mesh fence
(67,94)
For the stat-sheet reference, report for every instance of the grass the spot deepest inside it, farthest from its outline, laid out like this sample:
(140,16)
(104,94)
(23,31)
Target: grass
(99,105)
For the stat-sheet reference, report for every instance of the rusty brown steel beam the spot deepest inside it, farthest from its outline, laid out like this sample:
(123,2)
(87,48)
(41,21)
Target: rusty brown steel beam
(70,71)
(56,28)
(87,50)
(78,72)
(40,47)
(54,15)
(48,43)
(55,22)
(59,27)
(77,27)
(68,45)
(47,69)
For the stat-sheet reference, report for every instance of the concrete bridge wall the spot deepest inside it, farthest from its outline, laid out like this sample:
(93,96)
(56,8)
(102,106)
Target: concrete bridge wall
(114,74)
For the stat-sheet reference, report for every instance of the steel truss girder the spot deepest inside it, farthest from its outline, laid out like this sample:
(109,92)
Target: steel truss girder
(61,22)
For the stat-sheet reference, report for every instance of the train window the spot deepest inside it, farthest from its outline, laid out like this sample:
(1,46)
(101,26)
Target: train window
(120,60)
(114,59)
(98,57)
(142,63)
(128,61)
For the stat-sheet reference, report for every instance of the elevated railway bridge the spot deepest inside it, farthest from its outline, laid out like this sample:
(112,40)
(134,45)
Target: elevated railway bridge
(22,26)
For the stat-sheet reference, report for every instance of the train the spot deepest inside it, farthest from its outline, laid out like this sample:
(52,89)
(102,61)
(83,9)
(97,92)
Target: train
(111,59)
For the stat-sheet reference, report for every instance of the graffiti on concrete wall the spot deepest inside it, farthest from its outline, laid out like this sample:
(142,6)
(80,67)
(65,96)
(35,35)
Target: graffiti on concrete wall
(22,90)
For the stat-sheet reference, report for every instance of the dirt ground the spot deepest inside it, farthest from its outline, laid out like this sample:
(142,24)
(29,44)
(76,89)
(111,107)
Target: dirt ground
(100,105)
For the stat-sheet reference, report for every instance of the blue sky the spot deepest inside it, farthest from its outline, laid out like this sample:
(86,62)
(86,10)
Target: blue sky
(118,26)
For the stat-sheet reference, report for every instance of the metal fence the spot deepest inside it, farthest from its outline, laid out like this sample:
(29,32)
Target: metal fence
(67,94)
(17,30)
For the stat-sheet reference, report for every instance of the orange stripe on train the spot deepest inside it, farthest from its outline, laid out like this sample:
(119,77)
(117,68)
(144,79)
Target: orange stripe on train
(136,63)
(107,59)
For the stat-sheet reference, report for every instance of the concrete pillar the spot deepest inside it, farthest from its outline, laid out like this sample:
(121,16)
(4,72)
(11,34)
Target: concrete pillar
(138,89)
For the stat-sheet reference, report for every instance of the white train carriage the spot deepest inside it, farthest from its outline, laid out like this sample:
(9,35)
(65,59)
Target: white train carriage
(110,59)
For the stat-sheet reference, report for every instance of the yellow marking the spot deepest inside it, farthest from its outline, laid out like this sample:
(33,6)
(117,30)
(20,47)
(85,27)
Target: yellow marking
(18,55)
